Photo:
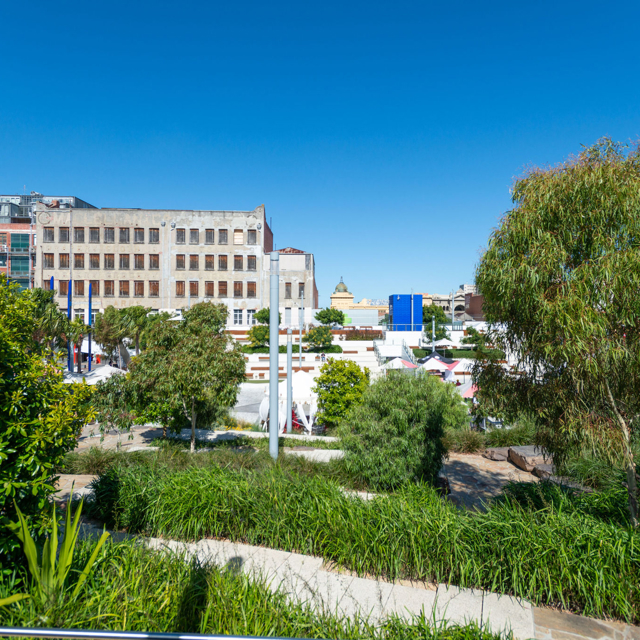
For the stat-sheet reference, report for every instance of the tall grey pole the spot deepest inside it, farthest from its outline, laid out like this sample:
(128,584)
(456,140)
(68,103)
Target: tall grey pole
(289,379)
(301,318)
(452,317)
(274,332)
(433,334)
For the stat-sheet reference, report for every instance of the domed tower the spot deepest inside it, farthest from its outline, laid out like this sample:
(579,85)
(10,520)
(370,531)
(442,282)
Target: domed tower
(341,298)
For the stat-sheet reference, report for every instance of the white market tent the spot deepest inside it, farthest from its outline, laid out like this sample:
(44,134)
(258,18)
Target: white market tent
(445,342)
(304,402)
(398,363)
(434,364)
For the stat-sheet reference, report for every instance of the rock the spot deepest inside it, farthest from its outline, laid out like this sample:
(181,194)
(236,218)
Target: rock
(498,454)
(526,458)
(544,471)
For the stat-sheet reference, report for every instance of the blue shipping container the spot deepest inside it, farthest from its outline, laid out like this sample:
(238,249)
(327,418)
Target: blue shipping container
(400,318)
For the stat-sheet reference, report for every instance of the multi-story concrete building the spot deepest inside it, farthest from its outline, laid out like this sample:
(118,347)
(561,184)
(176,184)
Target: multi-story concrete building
(18,232)
(162,259)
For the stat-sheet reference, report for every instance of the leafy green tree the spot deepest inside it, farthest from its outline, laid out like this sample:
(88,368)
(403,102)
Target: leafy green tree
(191,367)
(330,316)
(394,436)
(319,337)
(134,321)
(258,336)
(476,338)
(113,403)
(339,386)
(441,320)
(263,316)
(108,330)
(40,416)
(561,280)
(76,331)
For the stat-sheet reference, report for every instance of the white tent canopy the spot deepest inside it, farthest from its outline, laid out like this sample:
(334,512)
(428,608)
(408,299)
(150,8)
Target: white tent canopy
(445,342)
(304,401)
(396,363)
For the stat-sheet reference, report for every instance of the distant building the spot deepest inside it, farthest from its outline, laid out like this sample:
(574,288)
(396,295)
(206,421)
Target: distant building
(405,312)
(343,299)
(18,236)
(473,306)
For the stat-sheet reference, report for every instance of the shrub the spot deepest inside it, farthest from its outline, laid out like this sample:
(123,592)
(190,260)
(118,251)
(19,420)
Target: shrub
(339,386)
(465,440)
(395,435)
(319,337)
(521,433)
(363,334)
(258,336)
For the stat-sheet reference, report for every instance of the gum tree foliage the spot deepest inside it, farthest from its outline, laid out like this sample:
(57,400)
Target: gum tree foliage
(561,279)
(40,416)
(134,320)
(330,316)
(113,402)
(259,334)
(108,331)
(319,337)
(441,320)
(190,368)
(339,386)
(394,436)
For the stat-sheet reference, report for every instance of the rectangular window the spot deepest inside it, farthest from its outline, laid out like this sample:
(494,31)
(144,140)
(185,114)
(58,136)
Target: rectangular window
(124,260)
(193,289)
(124,288)
(194,262)
(94,261)
(48,261)
(194,236)
(237,289)
(222,236)
(251,289)
(250,319)
(78,288)
(208,290)
(180,259)
(222,289)
(63,234)
(95,288)
(124,236)
(138,236)
(237,316)
(138,261)
(237,263)
(138,289)
(46,285)
(154,236)
(3,237)
(180,288)
(252,236)
(154,261)
(238,236)
(251,263)
(64,260)
(94,235)
(222,263)
(209,236)
(109,289)
(78,234)
(47,235)
(63,287)
(209,263)
(300,290)
(287,290)
(109,235)
(180,236)
(109,261)
(154,289)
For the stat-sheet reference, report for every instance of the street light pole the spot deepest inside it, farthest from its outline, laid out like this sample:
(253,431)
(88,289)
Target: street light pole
(289,379)
(301,318)
(274,332)
(433,334)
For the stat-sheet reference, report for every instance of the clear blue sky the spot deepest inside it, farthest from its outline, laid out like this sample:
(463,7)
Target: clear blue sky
(381,136)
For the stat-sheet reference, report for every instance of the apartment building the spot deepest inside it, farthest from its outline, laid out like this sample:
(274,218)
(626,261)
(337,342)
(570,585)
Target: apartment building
(18,232)
(162,259)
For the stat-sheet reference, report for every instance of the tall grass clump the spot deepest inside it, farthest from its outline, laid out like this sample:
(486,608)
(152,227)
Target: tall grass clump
(132,588)
(521,433)
(548,552)
(395,435)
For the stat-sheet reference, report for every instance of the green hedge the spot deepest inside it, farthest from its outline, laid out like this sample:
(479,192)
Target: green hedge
(548,554)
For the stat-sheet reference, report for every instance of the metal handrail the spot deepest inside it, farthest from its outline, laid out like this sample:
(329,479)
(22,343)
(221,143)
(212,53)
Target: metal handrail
(98,634)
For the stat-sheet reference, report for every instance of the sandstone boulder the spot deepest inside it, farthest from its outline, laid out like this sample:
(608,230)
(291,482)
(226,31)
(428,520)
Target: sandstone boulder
(526,458)
(497,453)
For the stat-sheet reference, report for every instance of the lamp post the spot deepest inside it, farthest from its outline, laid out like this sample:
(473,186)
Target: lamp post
(301,318)
(433,334)
(289,378)
(89,323)
(274,331)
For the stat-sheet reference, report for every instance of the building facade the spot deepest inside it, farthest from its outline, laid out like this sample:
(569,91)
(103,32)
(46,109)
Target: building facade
(163,259)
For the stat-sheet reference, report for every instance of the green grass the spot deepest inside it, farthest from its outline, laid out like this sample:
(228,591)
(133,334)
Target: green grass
(580,558)
(134,589)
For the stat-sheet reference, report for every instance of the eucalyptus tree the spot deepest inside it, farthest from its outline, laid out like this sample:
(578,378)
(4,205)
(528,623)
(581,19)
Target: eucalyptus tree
(108,330)
(561,281)
(191,368)
(134,321)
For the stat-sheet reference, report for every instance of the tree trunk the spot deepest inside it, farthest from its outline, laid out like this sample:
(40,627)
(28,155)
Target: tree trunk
(630,467)
(79,357)
(193,425)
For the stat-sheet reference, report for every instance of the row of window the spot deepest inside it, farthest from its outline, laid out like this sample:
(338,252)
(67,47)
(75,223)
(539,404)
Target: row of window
(124,288)
(124,235)
(124,261)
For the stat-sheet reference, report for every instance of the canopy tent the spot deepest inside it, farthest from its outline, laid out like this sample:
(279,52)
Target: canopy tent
(434,365)
(399,363)
(445,342)
(304,402)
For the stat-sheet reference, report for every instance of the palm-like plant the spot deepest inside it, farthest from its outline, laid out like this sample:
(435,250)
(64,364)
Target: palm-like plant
(76,331)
